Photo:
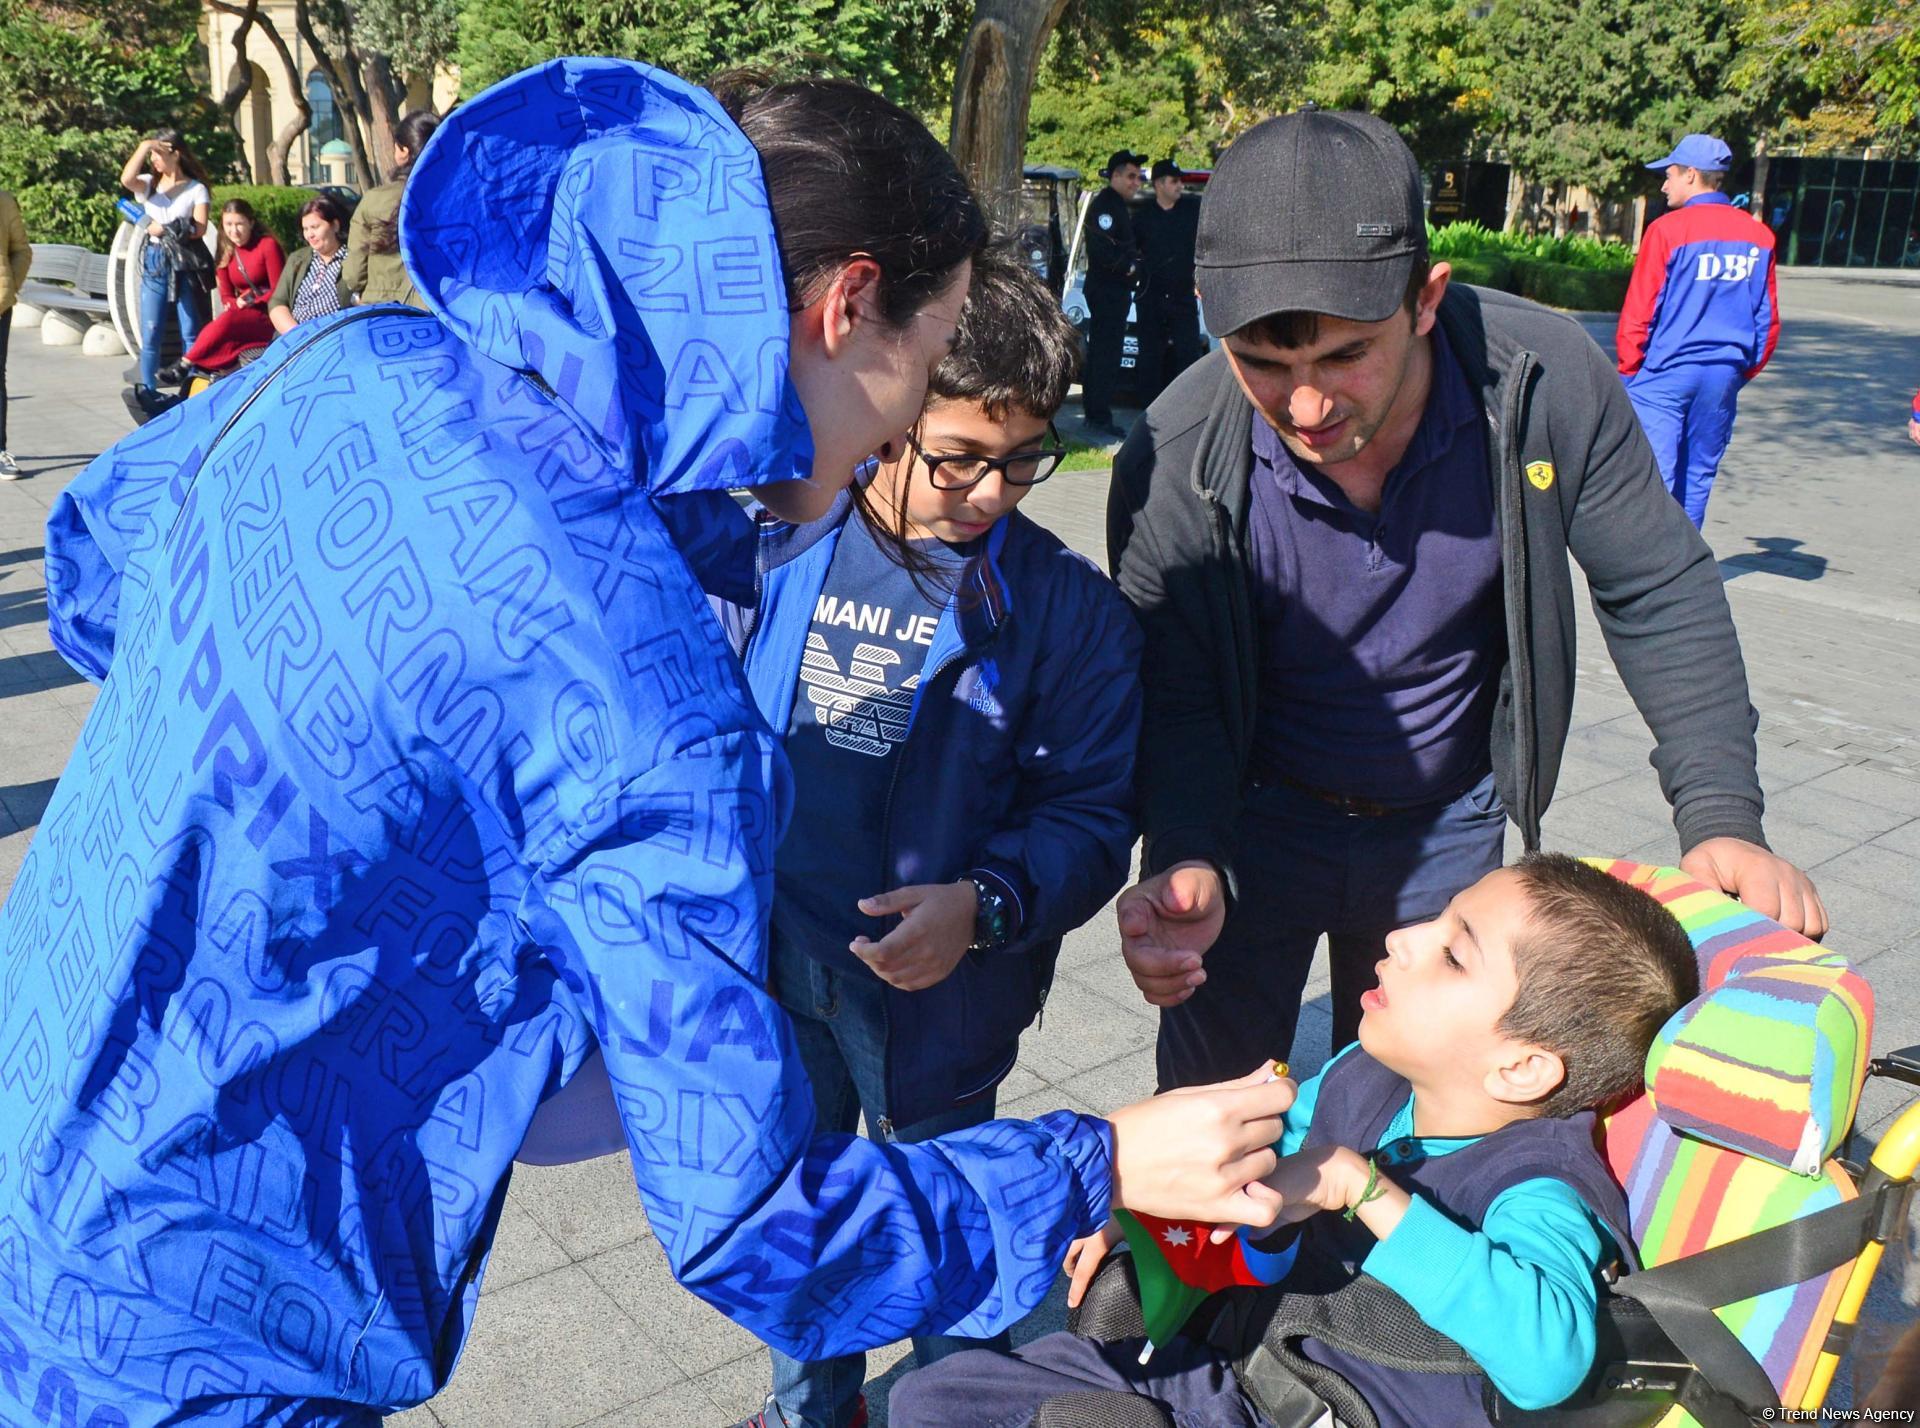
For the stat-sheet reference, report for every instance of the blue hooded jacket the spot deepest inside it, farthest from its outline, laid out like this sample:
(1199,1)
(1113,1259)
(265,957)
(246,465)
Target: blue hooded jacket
(420,768)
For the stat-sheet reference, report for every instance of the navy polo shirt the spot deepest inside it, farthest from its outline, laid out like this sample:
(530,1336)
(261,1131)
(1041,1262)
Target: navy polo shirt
(1381,635)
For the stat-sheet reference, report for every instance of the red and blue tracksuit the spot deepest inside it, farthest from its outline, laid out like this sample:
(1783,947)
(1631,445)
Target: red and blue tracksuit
(1701,319)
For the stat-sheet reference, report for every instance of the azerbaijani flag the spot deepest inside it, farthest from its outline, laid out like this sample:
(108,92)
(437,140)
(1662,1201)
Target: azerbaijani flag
(1179,1265)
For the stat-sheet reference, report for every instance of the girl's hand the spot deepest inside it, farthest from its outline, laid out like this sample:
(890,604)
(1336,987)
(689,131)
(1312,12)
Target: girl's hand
(1199,1153)
(1084,1256)
(936,928)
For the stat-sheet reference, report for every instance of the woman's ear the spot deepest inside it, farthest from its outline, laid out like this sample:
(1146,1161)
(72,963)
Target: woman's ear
(851,302)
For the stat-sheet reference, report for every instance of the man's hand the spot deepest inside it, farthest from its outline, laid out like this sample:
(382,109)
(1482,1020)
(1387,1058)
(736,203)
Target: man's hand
(1167,923)
(1765,882)
(1084,1257)
(1199,1153)
(936,928)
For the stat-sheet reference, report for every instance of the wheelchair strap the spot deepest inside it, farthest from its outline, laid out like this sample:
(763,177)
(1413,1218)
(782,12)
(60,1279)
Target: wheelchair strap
(1261,1332)
(1681,1296)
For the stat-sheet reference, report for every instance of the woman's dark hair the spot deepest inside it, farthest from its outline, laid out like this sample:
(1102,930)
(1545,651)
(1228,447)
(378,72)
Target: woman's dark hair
(849,173)
(329,210)
(245,210)
(189,165)
(411,134)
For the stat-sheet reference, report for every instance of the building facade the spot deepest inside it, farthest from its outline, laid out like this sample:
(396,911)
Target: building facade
(322,153)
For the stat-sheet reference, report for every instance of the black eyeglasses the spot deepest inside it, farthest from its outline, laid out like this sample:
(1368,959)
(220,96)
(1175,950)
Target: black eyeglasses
(953,471)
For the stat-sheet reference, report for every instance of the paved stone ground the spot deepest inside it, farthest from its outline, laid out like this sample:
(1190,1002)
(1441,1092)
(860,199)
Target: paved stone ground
(1815,525)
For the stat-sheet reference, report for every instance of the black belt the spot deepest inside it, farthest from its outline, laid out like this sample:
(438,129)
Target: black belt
(1354,807)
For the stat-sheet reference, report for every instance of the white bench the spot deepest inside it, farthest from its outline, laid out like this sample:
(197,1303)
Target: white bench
(64,278)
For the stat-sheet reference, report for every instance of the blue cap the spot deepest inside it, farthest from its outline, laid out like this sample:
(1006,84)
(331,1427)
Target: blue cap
(1698,151)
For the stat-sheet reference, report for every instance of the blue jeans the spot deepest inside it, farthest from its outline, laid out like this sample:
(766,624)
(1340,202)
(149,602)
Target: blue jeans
(1305,868)
(190,308)
(839,1021)
(1687,414)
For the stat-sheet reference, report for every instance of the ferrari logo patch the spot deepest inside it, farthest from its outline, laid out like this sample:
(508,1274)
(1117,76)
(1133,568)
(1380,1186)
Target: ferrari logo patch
(1540,473)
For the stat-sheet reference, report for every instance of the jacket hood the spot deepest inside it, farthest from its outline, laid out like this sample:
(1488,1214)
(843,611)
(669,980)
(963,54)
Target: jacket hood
(604,226)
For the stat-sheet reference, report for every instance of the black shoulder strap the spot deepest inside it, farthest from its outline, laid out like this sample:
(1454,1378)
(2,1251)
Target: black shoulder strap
(1682,1295)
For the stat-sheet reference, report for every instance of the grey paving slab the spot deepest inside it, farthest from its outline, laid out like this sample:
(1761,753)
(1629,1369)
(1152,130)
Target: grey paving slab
(696,1337)
(549,1352)
(588,1208)
(1813,524)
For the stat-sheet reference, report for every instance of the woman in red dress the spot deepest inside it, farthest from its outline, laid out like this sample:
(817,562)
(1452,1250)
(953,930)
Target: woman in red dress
(249,265)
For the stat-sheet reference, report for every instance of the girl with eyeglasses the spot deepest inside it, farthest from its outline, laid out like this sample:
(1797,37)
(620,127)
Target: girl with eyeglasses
(961,699)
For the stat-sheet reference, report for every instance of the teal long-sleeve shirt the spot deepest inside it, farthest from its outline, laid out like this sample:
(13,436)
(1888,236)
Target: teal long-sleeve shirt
(1520,1294)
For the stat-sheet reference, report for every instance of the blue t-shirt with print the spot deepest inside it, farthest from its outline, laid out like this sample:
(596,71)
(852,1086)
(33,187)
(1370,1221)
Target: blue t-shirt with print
(872,627)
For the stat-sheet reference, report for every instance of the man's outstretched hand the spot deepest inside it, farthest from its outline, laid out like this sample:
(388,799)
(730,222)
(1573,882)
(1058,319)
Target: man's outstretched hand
(1764,881)
(1167,923)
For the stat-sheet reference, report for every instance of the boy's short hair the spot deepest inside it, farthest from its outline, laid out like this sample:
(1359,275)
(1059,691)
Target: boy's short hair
(1017,350)
(1601,967)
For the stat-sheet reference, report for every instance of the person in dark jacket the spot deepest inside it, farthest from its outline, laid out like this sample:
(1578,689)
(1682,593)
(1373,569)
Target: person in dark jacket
(960,695)
(1346,535)
(1169,310)
(373,271)
(1113,260)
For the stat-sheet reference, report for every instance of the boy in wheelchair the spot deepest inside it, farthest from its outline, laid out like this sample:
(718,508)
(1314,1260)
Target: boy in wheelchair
(1450,1159)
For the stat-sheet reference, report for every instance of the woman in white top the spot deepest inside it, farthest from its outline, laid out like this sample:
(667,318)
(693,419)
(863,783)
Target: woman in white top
(170,186)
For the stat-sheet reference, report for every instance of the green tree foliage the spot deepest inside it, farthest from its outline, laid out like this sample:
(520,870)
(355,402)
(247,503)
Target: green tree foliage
(1843,54)
(906,49)
(85,81)
(1584,91)
(416,36)
(1419,64)
(1153,98)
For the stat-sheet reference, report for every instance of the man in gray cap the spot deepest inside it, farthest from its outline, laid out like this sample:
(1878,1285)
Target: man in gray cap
(1346,536)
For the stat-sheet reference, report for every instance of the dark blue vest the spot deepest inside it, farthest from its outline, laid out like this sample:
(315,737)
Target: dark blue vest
(1358,1100)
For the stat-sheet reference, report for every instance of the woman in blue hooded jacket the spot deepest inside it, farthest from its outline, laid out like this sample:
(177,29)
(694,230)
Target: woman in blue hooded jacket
(421,773)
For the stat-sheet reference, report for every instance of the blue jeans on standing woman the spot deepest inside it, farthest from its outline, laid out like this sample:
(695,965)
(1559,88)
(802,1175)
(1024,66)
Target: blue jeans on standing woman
(189,304)
(840,1022)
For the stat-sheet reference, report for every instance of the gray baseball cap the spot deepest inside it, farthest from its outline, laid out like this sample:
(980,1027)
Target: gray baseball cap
(1310,212)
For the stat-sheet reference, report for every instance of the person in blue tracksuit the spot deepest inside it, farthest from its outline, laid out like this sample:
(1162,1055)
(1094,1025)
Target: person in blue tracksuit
(1701,319)
(961,696)
(421,772)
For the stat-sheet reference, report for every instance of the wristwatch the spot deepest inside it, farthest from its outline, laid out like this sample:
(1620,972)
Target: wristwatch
(992,917)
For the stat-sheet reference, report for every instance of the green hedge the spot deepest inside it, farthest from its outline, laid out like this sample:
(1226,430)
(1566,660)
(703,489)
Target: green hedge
(278,209)
(1483,270)
(67,211)
(1565,285)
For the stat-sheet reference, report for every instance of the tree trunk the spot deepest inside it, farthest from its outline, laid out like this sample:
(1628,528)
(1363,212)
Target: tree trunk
(992,90)
(386,99)
(1762,160)
(240,77)
(239,82)
(282,143)
(343,100)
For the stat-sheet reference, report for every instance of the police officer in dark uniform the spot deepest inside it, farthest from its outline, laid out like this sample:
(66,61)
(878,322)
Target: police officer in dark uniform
(1112,262)
(1169,312)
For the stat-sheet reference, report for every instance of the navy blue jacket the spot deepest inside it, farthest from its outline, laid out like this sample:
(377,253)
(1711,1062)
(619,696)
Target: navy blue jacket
(1018,761)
